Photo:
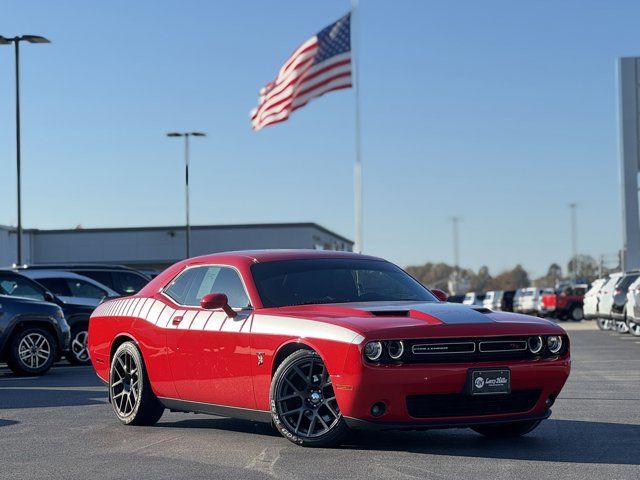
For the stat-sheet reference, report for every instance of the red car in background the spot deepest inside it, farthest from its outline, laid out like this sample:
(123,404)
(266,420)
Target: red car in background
(320,343)
(565,304)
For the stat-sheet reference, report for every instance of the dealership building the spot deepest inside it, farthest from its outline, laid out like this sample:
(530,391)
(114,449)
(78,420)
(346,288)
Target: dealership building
(158,247)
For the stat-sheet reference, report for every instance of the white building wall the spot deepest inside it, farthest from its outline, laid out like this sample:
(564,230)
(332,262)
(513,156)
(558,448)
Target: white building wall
(163,246)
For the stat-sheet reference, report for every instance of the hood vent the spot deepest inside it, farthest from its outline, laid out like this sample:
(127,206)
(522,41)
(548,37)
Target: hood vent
(482,310)
(390,313)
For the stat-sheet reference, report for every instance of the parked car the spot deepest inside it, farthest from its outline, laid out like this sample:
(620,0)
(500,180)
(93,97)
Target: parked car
(619,305)
(591,298)
(124,280)
(506,304)
(564,304)
(455,299)
(76,315)
(473,298)
(493,300)
(633,308)
(71,287)
(530,298)
(517,298)
(605,301)
(319,343)
(33,333)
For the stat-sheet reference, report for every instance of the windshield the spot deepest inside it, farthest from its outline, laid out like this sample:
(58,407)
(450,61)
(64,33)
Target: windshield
(312,281)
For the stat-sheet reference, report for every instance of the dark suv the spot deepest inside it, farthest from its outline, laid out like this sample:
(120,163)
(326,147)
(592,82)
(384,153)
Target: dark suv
(124,280)
(33,334)
(77,316)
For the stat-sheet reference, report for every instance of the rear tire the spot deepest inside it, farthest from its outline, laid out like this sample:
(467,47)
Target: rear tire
(32,351)
(130,394)
(604,324)
(576,314)
(506,430)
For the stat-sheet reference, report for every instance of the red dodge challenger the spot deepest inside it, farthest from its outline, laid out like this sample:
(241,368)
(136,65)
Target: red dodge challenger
(320,343)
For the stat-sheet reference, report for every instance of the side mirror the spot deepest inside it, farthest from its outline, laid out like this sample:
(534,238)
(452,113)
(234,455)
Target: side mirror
(440,295)
(214,301)
(48,297)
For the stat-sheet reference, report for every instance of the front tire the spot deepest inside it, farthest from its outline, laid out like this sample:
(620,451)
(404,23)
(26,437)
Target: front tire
(634,327)
(303,403)
(32,352)
(78,352)
(130,394)
(506,430)
(604,324)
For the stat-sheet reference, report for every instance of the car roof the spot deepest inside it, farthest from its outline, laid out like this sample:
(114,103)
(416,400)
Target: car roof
(75,266)
(42,274)
(258,256)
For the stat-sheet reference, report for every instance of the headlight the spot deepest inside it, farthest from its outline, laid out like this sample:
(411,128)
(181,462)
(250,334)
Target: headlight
(373,351)
(554,343)
(535,344)
(395,349)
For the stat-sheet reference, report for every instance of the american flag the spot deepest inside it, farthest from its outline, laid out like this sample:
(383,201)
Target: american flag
(319,65)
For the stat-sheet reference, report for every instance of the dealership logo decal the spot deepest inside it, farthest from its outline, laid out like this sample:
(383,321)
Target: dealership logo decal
(479,382)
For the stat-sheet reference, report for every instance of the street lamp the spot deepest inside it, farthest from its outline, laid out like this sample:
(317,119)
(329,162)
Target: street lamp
(186,136)
(16,42)
(574,240)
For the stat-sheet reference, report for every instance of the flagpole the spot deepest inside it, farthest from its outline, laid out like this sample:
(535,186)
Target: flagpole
(357,170)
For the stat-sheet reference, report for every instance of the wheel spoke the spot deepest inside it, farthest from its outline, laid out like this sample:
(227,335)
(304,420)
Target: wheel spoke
(302,408)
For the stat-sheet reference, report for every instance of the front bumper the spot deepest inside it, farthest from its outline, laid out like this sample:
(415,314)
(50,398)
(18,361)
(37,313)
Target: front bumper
(359,390)
(366,425)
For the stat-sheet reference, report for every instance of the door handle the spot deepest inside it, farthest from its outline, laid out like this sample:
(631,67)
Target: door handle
(176,320)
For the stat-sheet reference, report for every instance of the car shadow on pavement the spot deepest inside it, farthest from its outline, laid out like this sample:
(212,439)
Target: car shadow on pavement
(5,423)
(223,423)
(572,441)
(42,397)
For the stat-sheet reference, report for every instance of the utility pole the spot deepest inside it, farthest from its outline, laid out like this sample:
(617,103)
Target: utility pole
(574,240)
(16,43)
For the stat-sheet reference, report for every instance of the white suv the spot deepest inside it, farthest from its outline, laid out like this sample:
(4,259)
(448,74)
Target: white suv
(493,300)
(530,299)
(605,301)
(590,308)
(633,308)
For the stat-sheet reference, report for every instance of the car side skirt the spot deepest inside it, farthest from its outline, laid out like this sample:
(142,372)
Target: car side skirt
(366,425)
(175,404)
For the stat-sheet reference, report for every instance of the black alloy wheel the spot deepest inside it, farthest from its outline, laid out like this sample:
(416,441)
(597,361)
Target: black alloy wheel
(130,393)
(303,403)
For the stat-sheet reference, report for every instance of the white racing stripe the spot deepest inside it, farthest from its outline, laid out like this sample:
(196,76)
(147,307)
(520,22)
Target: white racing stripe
(162,315)
(273,325)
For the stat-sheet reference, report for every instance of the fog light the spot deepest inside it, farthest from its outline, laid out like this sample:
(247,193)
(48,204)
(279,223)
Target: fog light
(395,349)
(554,343)
(373,351)
(535,344)
(378,409)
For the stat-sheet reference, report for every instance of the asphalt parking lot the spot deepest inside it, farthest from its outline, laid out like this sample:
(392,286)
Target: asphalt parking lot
(60,426)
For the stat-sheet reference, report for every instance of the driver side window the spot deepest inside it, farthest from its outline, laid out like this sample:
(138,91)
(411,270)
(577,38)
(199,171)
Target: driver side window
(191,285)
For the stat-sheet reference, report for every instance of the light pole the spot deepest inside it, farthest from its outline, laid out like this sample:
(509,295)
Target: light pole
(574,239)
(16,42)
(187,228)
(456,243)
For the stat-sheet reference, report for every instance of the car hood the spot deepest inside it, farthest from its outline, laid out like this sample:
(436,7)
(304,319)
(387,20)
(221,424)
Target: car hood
(418,319)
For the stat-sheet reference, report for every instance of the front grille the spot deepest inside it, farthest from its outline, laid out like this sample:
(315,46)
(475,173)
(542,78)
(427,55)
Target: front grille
(464,350)
(458,405)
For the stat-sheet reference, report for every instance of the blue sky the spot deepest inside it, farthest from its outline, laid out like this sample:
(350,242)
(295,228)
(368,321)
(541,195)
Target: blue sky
(502,112)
